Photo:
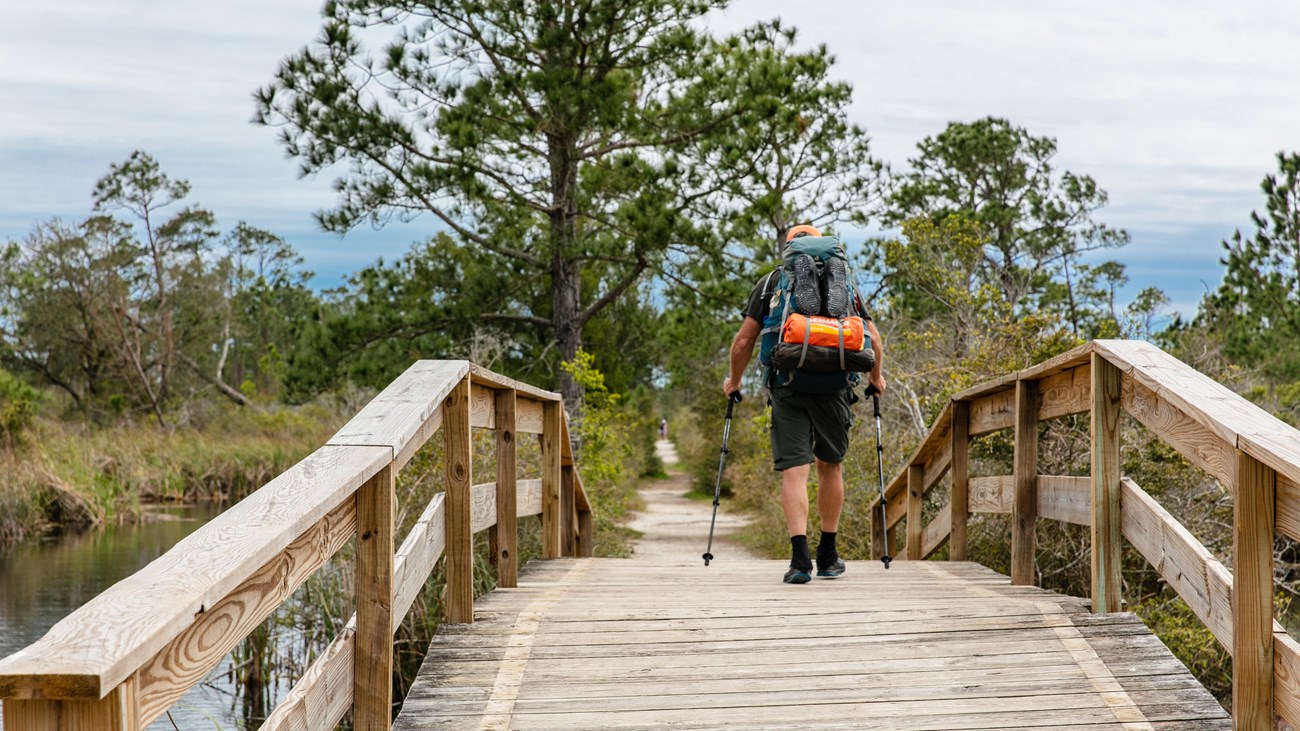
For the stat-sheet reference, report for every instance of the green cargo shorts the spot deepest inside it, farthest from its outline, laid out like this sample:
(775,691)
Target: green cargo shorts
(808,425)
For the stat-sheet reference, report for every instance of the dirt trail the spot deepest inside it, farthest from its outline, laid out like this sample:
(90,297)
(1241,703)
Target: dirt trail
(675,527)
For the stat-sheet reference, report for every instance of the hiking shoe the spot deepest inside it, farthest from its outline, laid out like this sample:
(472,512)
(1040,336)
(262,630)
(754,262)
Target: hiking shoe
(835,278)
(807,292)
(796,576)
(833,570)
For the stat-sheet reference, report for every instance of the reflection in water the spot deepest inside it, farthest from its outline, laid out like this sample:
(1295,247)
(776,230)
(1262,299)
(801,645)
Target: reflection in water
(44,580)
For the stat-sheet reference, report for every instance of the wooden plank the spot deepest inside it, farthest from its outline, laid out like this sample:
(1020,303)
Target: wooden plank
(1286,677)
(1189,568)
(1024,506)
(1234,419)
(1288,507)
(1197,444)
(323,694)
(482,406)
(1065,393)
(1064,498)
(505,535)
(529,416)
(373,664)
(483,376)
(216,631)
(993,413)
(915,500)
(552,522)
(937,532)
(568,511)
(959,506)
(992,494)
(417,556)
(114,712)
(99,646)
(530,498)
(406,413)
(1106,521)
(458,444)
(1252,595)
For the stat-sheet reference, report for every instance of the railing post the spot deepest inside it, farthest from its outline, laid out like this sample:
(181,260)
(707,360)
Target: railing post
(1252,595)
(569,510)
(1106,518)
(552,517)
(960,471)
(505,534)
(372,662)
(118,711)
(460,539)
(915,499)
(1024,510)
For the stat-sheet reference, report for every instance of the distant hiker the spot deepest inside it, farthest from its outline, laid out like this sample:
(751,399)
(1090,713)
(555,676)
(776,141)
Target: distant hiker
(663,428)
(816,337)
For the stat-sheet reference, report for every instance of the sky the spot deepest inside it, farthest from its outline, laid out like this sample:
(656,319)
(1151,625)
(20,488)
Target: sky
(1175,107)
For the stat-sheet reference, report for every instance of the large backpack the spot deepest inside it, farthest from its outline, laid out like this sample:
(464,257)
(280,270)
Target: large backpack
(814,339)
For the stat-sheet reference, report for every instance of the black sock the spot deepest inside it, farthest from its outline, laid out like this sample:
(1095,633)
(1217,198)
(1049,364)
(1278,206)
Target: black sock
(799,557)
(826,553)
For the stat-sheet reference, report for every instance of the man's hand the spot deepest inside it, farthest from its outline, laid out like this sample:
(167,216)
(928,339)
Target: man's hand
(877,381)
(728,387)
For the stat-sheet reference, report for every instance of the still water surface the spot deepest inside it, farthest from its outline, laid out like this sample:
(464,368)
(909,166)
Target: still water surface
(45,579)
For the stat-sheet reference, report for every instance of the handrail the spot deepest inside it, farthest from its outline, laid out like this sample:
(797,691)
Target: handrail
(1253,454)
(123,658)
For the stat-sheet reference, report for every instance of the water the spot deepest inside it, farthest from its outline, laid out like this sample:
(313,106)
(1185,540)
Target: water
(43,580)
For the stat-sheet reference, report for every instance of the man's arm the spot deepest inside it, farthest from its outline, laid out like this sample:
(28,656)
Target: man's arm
(877,376)
(742,349)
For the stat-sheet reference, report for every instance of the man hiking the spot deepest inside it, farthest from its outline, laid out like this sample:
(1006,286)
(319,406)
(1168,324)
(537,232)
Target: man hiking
(811,415)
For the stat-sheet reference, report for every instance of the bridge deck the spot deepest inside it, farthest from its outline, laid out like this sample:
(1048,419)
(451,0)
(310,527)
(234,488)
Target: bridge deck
(618,644)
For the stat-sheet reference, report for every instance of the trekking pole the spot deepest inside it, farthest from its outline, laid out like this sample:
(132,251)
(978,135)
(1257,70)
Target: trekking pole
(722,460)
(874,393)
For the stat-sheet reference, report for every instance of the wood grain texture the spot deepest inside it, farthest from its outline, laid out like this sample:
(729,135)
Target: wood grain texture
(1288,507)
(458,478)
(993,412)
(1234,419)
(372,663)
(114,712)
(1286,677)
(568,512)
(1106,521)
(530,497)
(613,644)
(1064,498)
(505,534)
(915,500)
(323,694)
(1190,569)
(483,406)
(552,520)
(992,494)
(1197,444)
(104,642)
(1065,393)
(1252,595)
(417,556)
(529,416)
(483,376)
(1024,504)
(187,659)
(937,532)
(406,413)
(959,506)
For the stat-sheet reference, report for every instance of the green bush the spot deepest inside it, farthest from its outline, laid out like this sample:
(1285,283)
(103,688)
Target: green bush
(17,407)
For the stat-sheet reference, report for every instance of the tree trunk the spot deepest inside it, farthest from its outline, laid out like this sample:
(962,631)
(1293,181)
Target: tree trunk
(566,273)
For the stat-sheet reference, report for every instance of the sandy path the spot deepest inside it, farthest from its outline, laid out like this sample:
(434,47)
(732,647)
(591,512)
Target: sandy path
(676,528)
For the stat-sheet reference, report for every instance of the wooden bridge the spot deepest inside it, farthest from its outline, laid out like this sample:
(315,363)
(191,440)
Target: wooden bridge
(579,642)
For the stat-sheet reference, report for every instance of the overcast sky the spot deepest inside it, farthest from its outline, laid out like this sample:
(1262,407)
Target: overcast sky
(1175,108)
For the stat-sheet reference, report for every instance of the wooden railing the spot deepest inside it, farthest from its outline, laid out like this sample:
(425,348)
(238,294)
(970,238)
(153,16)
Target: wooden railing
(120,661)
(1254,455)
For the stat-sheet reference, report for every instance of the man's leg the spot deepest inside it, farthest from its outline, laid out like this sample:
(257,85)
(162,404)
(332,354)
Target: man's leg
(830,495)
(794,499)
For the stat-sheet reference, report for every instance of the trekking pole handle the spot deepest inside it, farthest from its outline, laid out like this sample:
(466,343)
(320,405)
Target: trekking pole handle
(732,400)
(874,393)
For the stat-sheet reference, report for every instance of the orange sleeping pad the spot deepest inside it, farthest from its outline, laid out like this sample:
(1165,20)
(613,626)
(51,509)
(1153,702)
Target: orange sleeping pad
(824,331)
